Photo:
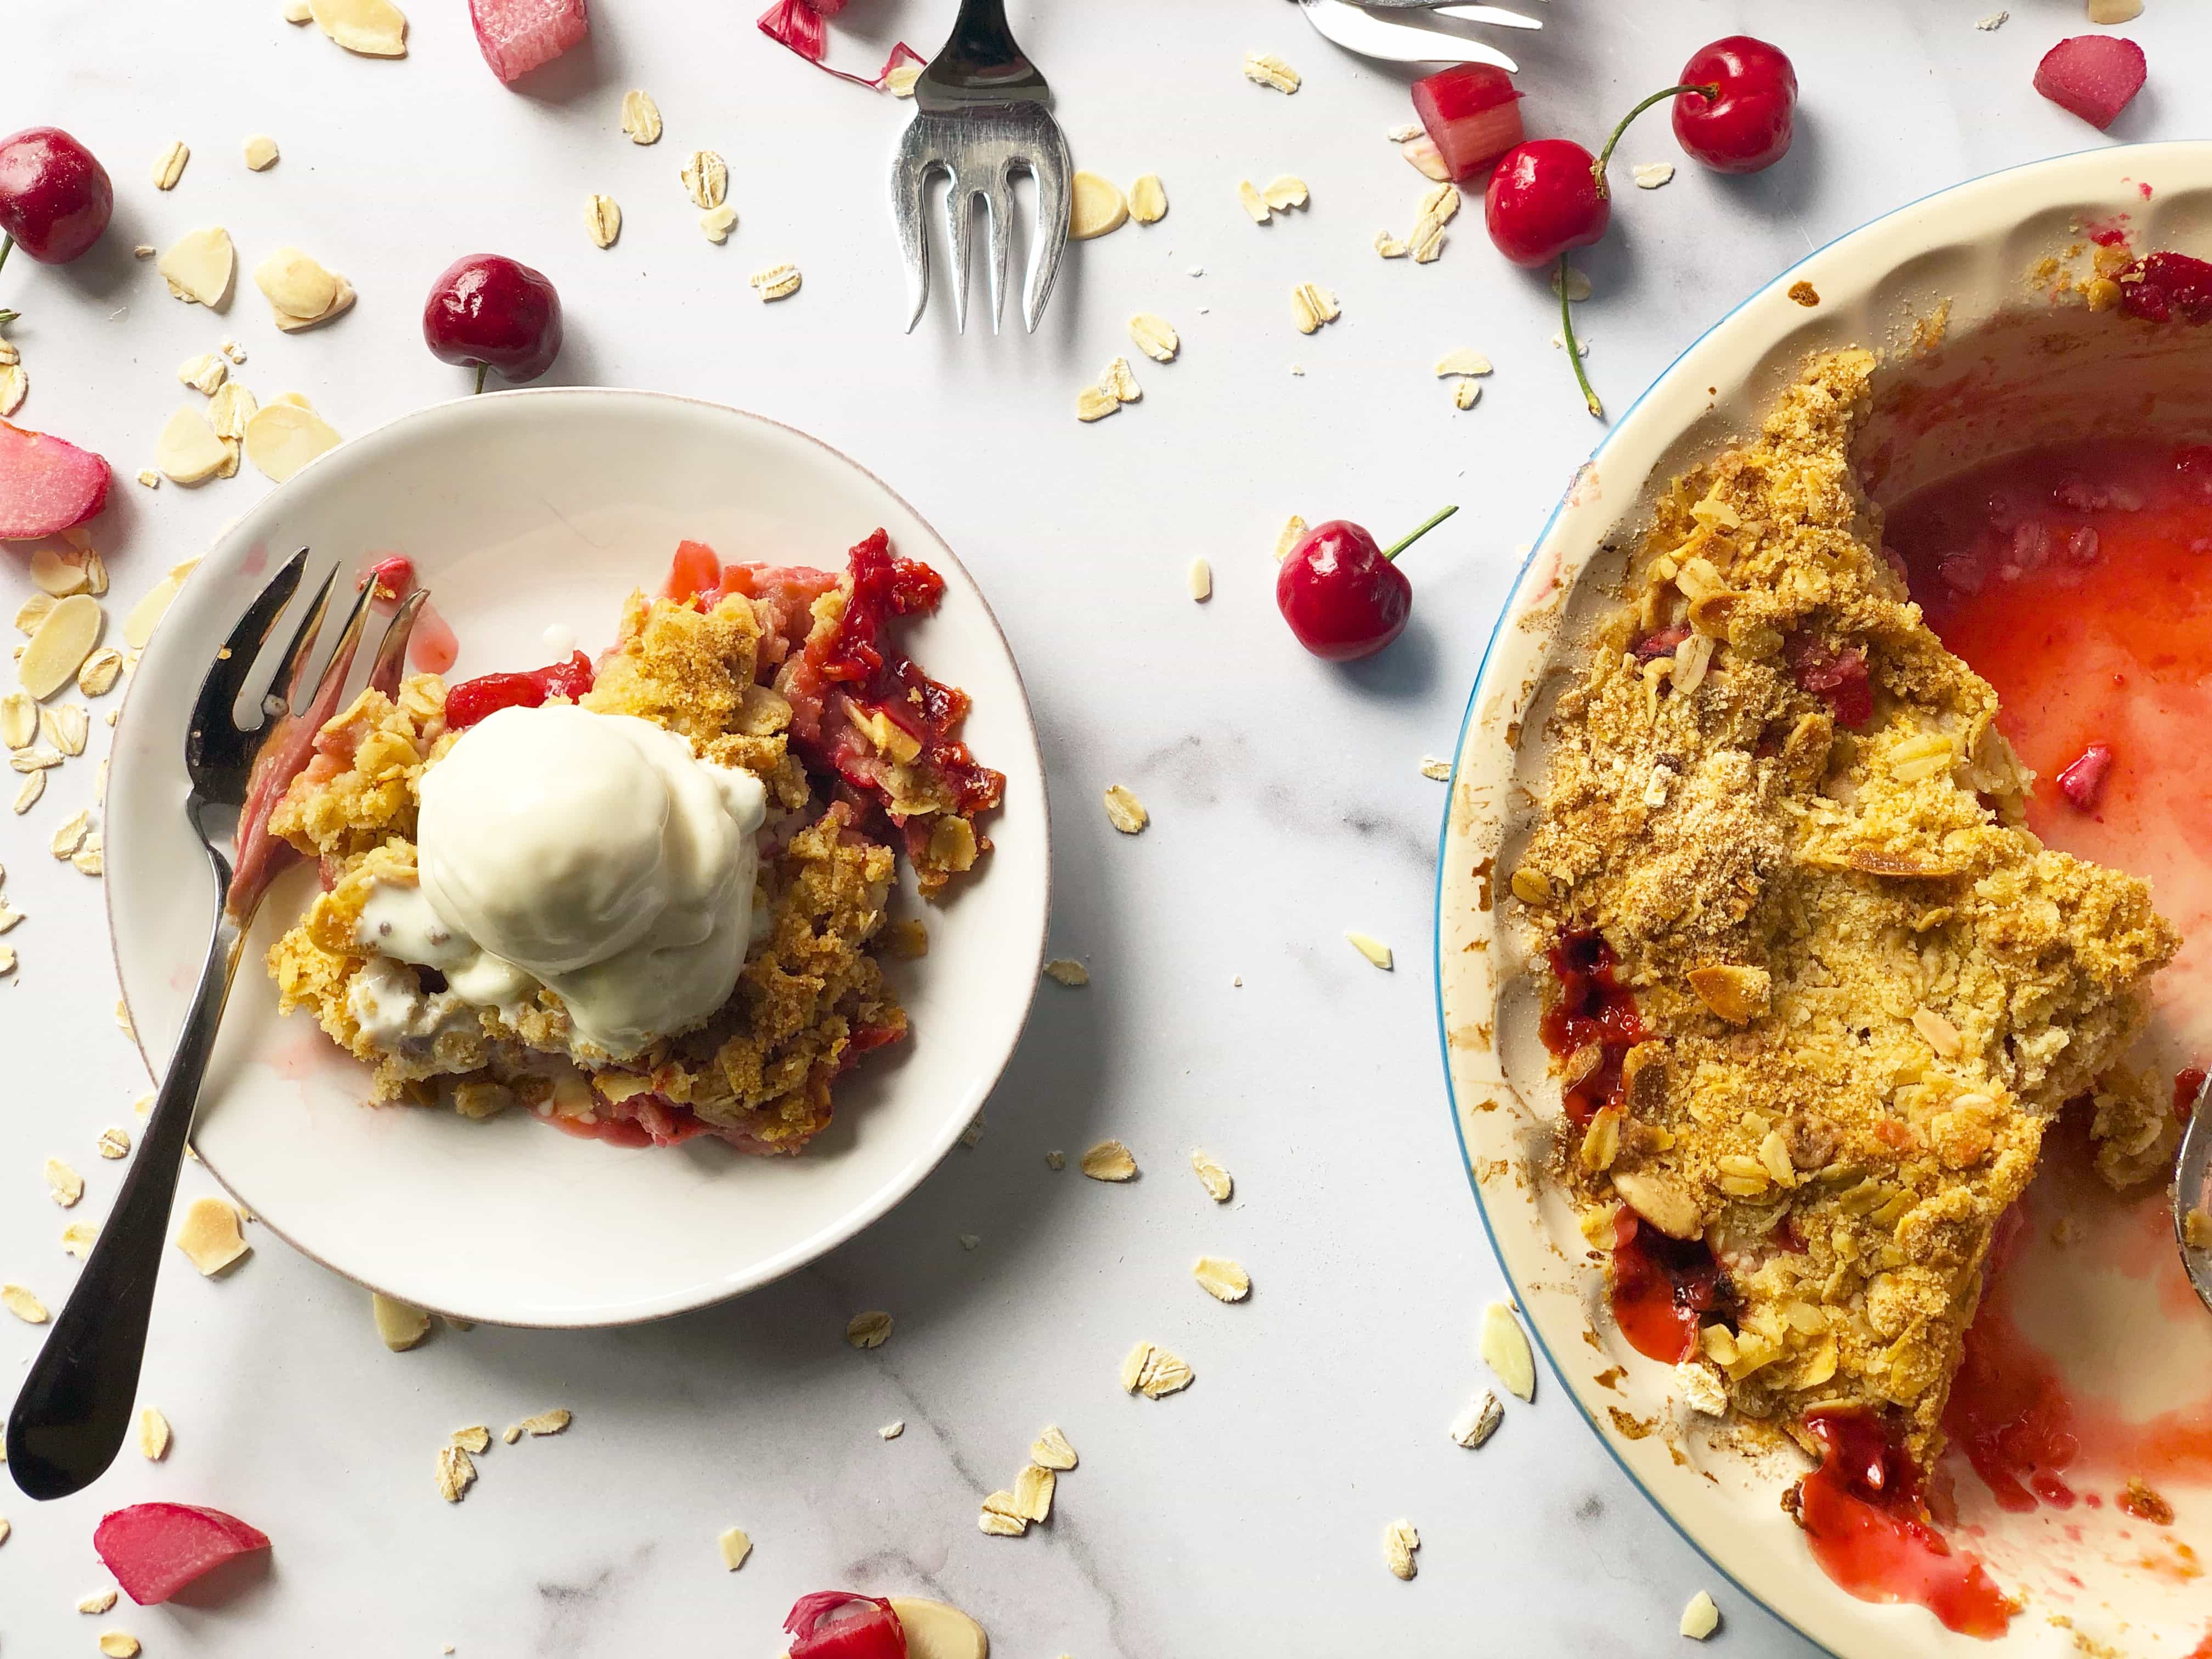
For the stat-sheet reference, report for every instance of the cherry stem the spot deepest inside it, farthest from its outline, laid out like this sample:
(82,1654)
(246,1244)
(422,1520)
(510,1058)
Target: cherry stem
(1711,90)
(8,317)
(7,247)
(482,370)
(1405,542)
(1574,351)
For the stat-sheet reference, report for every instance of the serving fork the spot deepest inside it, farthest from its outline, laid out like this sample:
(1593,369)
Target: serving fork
(74,1407)
(982,114)
(1377,28)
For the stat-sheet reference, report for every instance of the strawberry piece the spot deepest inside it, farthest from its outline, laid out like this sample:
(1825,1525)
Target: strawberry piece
(1473,115)
(154,1550)
(2083,780)
(838,1625)
(2093,76)
(516,36)
(47,485)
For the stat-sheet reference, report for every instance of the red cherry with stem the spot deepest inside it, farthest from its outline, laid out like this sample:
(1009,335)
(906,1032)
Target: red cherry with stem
(55,198)
(1545,196)
(491,312)
(1340,592)
(1737,118)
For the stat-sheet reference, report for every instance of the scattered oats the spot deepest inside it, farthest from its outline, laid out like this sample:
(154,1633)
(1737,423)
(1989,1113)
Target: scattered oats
(776,283)
(199,266)
(892,1430)
(149,477)
(1120,379)
(9,918)
(2114,11)
(119,1645)
(97,674)
(153,1435)
(123,1024)
(19,720)
(1066,970)
(144,251)
(27,796)
(1477,1420)
(4,1528)
(1466,394)
(1578,285)
(1096,403)
(1370,947)
(1313,305)
(1154,337)
(641,118)
(1195,270)
(87,858)
(144,1103)
(511,1433)
(2197,1229)
(1056,1160)
(1440,770)
(66,726)
(1221,1279)
(1254,203)
(1109,1160)
(236,352)
(1096,207)
(734,1546)
(476,1438)
(899,81)
(1422,155)
(64,637)
(375,29)
(1200,581)
(77,1236)
(968,1241)
(32,612)
(1294,530)
(1284,191)
(64,1184)
(36,760)
(70,836)
(1051,1449)
(1700,1388)
(1154,1372)
(1212,1176)
(22,1303)
(231,410)
(1001,1526)
(1463,361)
(260,153)
(211,1237)
(1994,22)
(1404,131)
(98,1602)
(400,1325)
(169,165)
(1388,245)
(717,223)
(14,386)
(972,1136)
(1399,1540)
(1033,1492)
(1649,175)
(188,451)
(280,438)
(1148,200)
(1701,1618)
(1505,1350)
(1125,812)
(602,220)
(457,1472)
(706,178)
(869,1329)
(1265,69)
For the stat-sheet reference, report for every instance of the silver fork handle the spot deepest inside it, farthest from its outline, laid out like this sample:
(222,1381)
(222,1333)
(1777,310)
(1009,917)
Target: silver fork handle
(74,1410)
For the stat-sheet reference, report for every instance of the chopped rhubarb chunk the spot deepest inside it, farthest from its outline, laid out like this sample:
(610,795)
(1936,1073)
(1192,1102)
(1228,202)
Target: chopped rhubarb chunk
(695,571)
(2093,76)
(838,1625)
(1471,113)
(47,485)
(802,27)
(154,1550)
(1837,678)
(2160,287)
(473,701)
(516,36)
(2083,781)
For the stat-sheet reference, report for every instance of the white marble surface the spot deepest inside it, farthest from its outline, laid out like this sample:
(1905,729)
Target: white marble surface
(1243,1515)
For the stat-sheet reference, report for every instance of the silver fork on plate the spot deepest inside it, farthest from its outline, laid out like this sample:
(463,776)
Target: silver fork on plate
(1360,28)
(982,114)
(74,1407)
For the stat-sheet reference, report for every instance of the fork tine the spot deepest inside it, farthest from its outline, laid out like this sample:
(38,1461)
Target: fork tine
(392,650)
(909,186)
(999,205)
(226,675)
(293,668)
(1051,169)
(342,655)
(959,221)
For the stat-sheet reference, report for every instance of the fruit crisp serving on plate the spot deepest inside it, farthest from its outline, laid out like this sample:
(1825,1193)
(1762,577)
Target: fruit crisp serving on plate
(644,897)
(1816,993)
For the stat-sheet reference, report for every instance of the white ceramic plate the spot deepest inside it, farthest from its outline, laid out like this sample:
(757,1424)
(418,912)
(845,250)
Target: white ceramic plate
(524,510)
(2010,371)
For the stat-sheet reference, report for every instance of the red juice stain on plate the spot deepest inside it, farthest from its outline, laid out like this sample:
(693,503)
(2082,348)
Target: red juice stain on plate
(1660,1287)
(1867,1526)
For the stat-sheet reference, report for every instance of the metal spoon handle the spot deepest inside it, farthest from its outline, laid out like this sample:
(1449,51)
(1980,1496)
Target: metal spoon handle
(74,1410)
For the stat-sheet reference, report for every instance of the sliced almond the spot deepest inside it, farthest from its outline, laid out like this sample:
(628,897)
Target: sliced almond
(148,477)
(1478,1421)
(1293,531)
(64,1184)
(169,165)
(776,283)
(1700,1618)
(1221,1279)
(706,178)
(892,1430)
(66,726)
(456,1473)
(139,627)
(732,1543)
(400,1324)
(868,1330)
(1125,812)
(64,638)
(1265,69)
(98,1602)
(153,1435)
(1155,338)
(1651,175)
(1574,286)
(14,386)
(58,574)
(1253,202)
(1283,191)
(1211,1175)
(641,117)
(1051,1449)
(282,438)
(296,284)
(1738,994)
(1148,200)
(1505,1351)
(1200,580)
(260,153)
(1463,361)
(899,79)
(340,304)
(1373,949)
(210,1236)
(198,266)
(602,220)
(77,1238)
(230,409)
(375,29)
(188,451)
(1109,1160)
(19,720)
(1096,206)
(717,223)
(934,1630)
(22,1303)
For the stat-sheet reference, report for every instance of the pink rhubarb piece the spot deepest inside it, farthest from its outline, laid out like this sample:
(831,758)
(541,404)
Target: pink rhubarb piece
(518,35)
(47,485)
(2095,75)
(154,1550)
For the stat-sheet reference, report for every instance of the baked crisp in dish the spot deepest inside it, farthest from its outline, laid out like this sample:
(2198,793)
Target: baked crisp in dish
(1816,993)
(684,940)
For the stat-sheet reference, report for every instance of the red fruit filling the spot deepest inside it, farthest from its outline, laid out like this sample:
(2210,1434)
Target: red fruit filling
(154,1550)
(472,701)
(394,576)
(2187,1083)
(1660,644)
(1472,113)
(2160,287)
(1593,1007)
(1838,678)
(2084,781)
(516,36)
(2093,76)
(47,485)
(838,1625)
(1662,1288)
(694,571)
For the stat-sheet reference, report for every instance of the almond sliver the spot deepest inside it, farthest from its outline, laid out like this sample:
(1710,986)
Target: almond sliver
(375,29)
(188,451)
(296,284)
(65,638)
(282,438)
(197,266)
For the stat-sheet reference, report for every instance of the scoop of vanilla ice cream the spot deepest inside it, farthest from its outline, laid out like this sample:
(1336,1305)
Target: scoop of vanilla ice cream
(597,853)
